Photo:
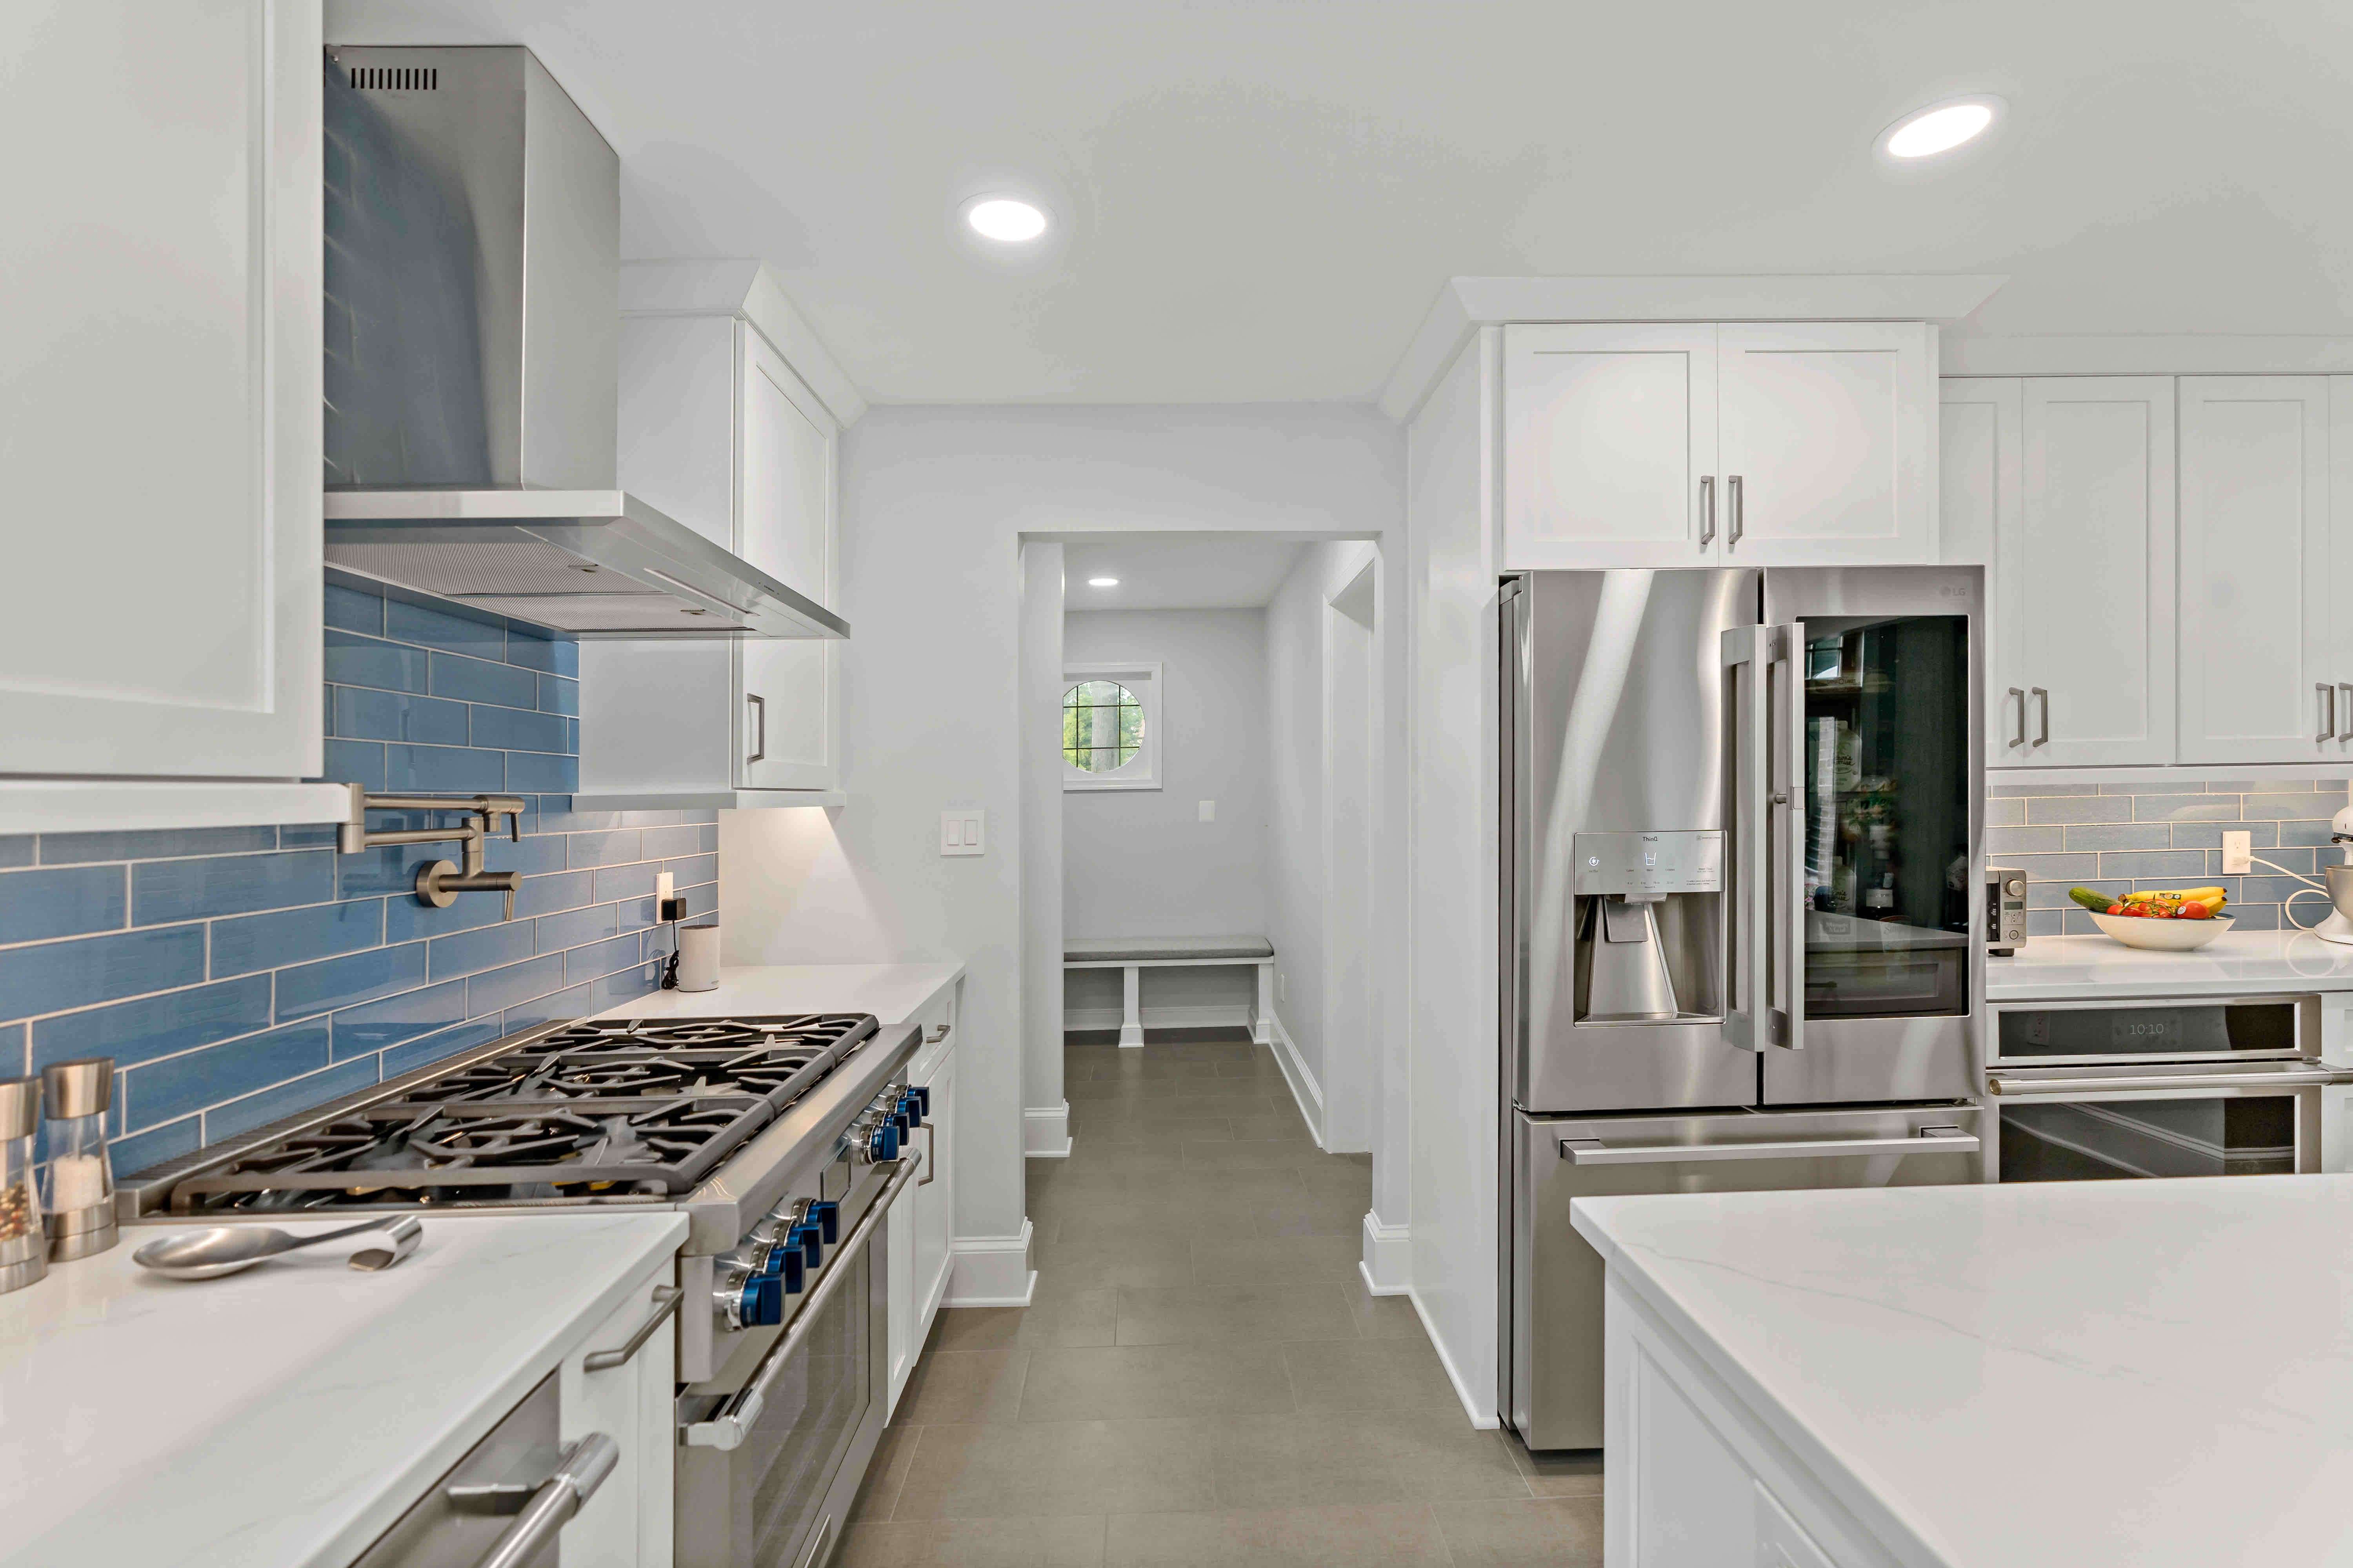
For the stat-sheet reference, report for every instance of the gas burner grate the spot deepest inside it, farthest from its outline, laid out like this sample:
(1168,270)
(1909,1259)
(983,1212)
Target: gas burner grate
(594,1112)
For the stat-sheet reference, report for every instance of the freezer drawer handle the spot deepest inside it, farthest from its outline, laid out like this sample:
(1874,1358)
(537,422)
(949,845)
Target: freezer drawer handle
(1593,1151)
(544,1510)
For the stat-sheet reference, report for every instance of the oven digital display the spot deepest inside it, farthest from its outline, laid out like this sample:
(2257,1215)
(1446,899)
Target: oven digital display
(2208,1030)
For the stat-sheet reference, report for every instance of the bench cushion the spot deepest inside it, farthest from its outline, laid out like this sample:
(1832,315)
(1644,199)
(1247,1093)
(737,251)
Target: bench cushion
(1162,949)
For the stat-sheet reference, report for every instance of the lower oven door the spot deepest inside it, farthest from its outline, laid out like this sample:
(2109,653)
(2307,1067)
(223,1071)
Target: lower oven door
(767,1474)
(2260,1119)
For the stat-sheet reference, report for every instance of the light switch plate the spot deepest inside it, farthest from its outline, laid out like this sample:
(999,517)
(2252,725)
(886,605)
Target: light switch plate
(1209,811)
(963,832)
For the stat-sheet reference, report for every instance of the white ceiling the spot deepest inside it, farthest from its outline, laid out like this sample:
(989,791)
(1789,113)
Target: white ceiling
(1177,572)
(1258,199)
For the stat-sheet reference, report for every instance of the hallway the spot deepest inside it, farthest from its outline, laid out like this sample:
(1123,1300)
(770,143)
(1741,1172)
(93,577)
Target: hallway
(1201,1377)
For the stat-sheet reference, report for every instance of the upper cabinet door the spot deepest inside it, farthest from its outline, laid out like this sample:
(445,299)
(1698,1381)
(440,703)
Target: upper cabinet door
(1829,432)
(160,389)
(1611,447)
(2256,672)
(1979,470)
(790,722)
(2088,566)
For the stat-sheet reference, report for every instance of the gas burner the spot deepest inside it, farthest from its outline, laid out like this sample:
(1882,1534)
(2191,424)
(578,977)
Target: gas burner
(594,1112)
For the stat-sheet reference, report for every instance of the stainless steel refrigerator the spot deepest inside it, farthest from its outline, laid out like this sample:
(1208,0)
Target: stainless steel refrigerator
(1742,824)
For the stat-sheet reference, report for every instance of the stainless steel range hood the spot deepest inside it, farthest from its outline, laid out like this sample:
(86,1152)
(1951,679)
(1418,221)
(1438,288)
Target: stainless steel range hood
(473,321)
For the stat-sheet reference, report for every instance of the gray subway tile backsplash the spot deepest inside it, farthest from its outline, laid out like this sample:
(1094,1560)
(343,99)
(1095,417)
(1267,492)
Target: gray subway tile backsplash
(241,974)
(2159,833)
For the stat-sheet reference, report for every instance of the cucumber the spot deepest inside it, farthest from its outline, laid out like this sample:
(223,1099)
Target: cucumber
(2091,899)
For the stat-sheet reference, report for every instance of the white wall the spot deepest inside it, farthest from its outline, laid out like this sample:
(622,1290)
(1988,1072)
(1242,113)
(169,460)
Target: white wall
(935,502)
(1140,862)
(1451,738)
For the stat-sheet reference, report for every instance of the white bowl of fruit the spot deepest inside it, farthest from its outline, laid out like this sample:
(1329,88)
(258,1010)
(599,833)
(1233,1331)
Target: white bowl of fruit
(2175,920)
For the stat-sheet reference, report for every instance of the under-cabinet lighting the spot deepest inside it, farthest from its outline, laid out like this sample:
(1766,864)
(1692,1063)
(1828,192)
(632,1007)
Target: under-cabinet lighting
(1102,581)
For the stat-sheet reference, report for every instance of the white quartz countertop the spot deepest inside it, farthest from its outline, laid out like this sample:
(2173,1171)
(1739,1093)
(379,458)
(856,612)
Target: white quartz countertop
(2054,968)
(893,992)
(285,1415)
(2040,1375)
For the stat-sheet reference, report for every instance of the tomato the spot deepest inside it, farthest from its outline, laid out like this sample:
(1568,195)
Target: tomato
(2115,908)
(2196,913)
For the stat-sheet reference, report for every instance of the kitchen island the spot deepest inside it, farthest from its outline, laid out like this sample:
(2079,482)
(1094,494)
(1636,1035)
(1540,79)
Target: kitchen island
(2157,1373)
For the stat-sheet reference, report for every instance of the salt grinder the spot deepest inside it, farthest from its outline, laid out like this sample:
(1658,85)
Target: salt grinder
(80,1209)
(24,1253)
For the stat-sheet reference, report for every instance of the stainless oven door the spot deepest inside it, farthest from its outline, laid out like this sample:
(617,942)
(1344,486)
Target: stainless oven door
(766,1472)
(2259,1119)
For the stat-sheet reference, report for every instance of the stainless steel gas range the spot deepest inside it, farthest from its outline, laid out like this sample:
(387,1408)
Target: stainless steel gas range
(784,1142)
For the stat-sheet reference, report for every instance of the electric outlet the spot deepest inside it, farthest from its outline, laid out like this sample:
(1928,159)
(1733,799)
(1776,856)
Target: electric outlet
(2238,853)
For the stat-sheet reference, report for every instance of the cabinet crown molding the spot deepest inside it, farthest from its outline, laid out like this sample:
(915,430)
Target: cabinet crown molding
(749,289)
(1465,304)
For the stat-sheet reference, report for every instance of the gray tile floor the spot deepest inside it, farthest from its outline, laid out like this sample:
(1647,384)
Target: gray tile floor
(1201,1377)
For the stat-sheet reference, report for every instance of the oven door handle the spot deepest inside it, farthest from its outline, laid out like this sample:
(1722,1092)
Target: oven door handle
(2003,1086)
(1936,1140)
(729,1430)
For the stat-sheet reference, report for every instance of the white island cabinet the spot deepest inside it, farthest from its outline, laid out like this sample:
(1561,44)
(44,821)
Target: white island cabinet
(2036,1375)
(730,414)
(160,652)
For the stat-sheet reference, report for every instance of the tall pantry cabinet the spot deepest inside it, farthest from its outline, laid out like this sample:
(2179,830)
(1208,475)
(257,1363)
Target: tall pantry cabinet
(730,414)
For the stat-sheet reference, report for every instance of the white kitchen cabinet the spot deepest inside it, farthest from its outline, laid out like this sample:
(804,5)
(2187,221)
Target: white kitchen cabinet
(2084,578)
(1980,473)
(1609,446)
(1698,444)
(162,383)
(1827,433)
(2339,576)
(922,1227)
(627,1523)
(2257,666)
(720,428)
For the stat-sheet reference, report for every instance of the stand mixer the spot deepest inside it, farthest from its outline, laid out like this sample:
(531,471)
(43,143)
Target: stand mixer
(2337,924)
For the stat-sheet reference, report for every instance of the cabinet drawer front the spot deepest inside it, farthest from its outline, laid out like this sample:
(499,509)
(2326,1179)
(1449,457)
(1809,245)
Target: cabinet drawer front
(1607,433)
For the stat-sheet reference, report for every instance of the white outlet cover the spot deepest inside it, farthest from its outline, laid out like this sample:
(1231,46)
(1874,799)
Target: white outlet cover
(1209,811)
(964,832)
(2237,851)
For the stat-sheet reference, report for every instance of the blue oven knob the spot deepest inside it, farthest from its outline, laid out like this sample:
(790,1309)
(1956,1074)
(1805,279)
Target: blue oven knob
(826,1216)
(810,1239)
(785,1270)
(882,1144)
(910,1110)
(922,1100)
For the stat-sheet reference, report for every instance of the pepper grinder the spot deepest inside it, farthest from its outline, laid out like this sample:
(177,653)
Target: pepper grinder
(24,1253)
(80,1210)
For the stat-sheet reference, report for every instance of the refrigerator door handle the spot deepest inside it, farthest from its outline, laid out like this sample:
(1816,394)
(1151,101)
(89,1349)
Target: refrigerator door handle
(1746,652)
(1928,1140)
(1788,801)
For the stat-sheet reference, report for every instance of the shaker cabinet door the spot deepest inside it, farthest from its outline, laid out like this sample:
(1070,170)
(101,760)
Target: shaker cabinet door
(2087,574)
(1609,446)
(1980,473)
(159,390)
(2256,670)
(1828,433)
(788,716)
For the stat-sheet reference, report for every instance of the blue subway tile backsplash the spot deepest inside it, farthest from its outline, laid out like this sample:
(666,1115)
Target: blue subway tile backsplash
(242,975)
(2163,833)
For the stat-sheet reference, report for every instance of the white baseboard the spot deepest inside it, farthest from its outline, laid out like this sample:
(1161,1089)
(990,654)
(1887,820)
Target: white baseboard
(990,1270)
(1203,1016)
(1481,1411)
(1387,1265)
(1303,1086)
(1046,1132)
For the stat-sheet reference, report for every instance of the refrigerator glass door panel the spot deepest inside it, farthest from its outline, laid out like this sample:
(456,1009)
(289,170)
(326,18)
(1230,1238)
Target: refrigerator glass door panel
(1616,731)
(1554,1346)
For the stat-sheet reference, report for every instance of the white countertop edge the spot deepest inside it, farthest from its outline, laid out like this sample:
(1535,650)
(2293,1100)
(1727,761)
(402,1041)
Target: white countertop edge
(2069,968)
(1901,1537)
(894,993)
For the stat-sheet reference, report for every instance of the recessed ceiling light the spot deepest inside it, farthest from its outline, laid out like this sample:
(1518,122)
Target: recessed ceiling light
(1939,128)
(1102,581)
(1006,220)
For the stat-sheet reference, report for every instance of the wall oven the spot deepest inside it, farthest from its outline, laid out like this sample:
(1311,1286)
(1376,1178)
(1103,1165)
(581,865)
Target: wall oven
(2118,1090)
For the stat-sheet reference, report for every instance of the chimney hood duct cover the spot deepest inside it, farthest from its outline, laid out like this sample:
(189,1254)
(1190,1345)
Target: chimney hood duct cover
(472,367)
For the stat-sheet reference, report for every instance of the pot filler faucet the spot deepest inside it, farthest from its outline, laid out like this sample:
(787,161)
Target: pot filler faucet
(438,882)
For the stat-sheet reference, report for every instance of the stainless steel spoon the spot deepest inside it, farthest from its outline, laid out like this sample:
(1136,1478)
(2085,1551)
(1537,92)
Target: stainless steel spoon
(226,1249)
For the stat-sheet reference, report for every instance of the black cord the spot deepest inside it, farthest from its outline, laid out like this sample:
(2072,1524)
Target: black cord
(670,969)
